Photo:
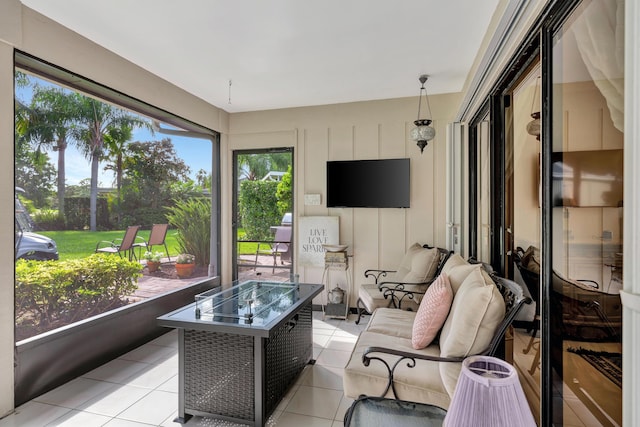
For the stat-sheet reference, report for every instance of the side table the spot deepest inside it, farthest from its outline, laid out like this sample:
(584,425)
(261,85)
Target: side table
(336,261)
(368,411)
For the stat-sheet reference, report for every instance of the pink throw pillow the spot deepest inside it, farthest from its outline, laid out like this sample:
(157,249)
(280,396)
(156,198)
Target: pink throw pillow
(432,313)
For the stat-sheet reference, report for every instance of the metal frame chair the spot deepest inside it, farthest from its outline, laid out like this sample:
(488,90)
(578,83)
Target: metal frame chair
(393,293)
(125,244)
(279,246)
(156,237)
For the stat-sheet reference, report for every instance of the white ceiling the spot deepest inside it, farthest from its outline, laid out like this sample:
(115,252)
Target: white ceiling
(287,53)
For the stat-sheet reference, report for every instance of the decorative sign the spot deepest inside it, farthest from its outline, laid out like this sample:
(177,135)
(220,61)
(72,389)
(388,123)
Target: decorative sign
(313,232)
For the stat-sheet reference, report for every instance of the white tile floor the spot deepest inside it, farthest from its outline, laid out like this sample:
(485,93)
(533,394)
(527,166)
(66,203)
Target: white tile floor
(140,388)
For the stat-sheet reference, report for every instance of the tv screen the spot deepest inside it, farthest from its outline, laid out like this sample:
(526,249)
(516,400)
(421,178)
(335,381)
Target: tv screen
(588,178)
(368,183)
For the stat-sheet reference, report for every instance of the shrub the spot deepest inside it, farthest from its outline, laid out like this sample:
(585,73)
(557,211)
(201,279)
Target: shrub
(258,208)
(48,219)
(144,217)
(192,219)
(61,292)
(77,213)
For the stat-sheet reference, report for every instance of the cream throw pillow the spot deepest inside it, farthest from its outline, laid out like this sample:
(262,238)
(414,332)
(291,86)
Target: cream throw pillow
(423,266)
(432,312)
(405,264)
(453,261)
(476,311)
(459,273)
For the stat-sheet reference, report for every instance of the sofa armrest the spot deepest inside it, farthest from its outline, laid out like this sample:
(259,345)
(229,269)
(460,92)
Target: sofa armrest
(376,274)
(398,291)
(402,355)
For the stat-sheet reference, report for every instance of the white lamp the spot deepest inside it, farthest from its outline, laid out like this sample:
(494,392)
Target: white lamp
(423,132)
(488,394)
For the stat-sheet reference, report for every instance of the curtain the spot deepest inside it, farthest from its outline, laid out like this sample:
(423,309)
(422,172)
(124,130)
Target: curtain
(599,34)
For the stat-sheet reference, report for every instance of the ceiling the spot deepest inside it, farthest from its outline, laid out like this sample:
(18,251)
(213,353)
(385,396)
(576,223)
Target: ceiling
(287,53)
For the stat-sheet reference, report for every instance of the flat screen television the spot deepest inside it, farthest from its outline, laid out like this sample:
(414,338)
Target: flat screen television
(380,183)
(588,178)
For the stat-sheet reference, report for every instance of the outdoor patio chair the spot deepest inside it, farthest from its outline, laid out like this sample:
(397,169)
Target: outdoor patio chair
(280,246)
(403,287)
(119,246)
(156,238)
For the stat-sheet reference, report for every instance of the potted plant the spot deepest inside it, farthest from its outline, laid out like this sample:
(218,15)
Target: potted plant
(153,260)
(185,264)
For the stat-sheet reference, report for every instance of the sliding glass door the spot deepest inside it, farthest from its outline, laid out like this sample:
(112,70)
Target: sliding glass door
(586,188)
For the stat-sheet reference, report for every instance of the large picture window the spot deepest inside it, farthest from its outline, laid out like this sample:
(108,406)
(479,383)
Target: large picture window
(102,193)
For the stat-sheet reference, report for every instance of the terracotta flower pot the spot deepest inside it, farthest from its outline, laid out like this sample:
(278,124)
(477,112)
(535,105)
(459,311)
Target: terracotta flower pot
(153,266)
(185,270)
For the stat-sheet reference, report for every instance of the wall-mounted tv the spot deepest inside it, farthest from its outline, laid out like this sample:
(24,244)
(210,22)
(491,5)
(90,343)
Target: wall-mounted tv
(588,178)
(380,183)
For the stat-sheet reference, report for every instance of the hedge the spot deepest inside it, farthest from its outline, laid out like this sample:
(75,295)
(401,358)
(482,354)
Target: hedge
(61,292)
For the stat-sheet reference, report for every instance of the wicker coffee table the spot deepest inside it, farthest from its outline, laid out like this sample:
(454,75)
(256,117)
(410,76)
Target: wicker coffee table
(241,349)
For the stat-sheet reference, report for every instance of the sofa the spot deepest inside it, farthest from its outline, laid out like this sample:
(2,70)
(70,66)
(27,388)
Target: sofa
(403,286)
(385,361)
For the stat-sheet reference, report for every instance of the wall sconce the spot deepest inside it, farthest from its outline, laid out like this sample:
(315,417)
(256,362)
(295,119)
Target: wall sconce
(533,127)
(423,133)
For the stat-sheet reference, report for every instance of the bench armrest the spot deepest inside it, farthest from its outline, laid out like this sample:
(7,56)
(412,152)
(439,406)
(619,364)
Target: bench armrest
(376,274)
(397,290)
(402,355)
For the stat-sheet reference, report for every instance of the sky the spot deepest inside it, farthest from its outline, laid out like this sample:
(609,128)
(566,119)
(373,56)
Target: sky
(195,152)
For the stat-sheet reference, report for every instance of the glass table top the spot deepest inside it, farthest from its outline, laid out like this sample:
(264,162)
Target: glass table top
(252,302)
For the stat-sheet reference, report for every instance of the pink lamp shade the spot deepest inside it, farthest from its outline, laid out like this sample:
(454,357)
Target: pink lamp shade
(488,394)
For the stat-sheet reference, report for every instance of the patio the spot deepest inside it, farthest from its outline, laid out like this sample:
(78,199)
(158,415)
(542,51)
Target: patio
(165,280)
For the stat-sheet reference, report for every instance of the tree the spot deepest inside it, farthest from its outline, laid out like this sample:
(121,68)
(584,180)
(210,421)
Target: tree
(96,119)
(256,165)
(150,169)
(116,140)
(46,122)
(203,179)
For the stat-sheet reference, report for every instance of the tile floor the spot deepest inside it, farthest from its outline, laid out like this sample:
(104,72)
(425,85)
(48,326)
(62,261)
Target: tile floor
(140,388)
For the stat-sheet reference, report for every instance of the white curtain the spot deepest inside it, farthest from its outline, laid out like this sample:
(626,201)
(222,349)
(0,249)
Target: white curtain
(599,33)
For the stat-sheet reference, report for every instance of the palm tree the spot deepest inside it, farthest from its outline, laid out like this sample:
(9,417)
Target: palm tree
(256,165)
(46,122)
(96,120)
(58,110)
(116,140)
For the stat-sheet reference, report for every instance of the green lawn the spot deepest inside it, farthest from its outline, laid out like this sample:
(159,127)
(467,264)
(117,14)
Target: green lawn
(80,244)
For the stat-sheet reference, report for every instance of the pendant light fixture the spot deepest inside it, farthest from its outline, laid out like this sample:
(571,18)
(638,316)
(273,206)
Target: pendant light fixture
(423,132)
(533,127)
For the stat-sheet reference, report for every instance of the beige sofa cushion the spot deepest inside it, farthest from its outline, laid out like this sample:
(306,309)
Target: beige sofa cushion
(405,264)
(453,261)
(424,264)
(392,322)
(459,273)
(476,311)
(372,298)
(421,383)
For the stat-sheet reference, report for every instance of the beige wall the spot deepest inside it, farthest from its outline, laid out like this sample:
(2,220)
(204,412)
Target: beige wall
(362,130)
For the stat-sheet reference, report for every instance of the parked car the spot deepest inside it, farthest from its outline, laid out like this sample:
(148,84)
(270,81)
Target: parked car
(29,245)
(34,246)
